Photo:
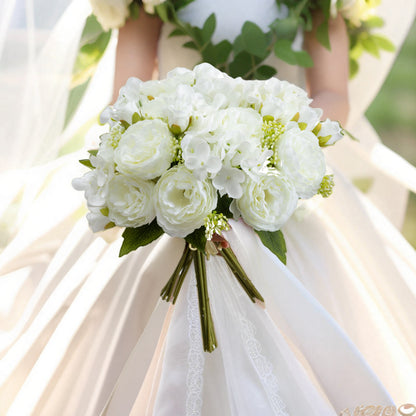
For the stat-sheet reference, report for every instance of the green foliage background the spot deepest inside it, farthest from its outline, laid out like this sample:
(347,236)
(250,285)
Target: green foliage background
(393,114)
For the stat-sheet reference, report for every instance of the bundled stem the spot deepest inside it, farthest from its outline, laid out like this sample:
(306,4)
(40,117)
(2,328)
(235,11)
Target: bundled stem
(172,288)
(209,339)
(238,271)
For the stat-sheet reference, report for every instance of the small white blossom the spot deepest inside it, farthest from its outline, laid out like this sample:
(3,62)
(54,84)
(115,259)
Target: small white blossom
(197,157)
(228,181)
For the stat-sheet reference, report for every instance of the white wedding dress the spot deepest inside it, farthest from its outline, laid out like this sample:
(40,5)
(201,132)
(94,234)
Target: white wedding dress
(84,332)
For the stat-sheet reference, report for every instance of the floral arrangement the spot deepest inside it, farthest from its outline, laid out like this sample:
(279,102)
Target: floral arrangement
(244,57)
(185,154)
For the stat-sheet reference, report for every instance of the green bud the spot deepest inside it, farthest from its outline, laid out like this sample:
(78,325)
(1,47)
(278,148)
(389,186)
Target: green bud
(105,211)
(135,118)
(327,186)
(324,140)
(175,129)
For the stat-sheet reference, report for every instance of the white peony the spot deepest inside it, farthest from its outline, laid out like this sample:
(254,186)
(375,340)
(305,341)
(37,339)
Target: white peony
(111,14)
(130,201)
(301,160)
(182,201)
(145,150)
(329,133)
(268,202)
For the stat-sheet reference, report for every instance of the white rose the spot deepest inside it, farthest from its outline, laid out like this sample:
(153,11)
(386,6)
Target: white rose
(301,160)
(329,133)
(111,14)
(145,150)
(268,202)
(182,201)
(130,201)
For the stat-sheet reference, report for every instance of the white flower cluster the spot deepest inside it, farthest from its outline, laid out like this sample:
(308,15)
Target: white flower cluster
(176,146)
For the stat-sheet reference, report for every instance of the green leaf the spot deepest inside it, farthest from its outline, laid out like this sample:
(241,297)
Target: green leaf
(370,45)
(181,3)
(87,163)
(241,65)
(93,152)
(303,59)
(322,35)
(354,67)
(162,10)
(223,206)
(91,31)
(134,10)
(254,40)
(265,72)
(325,6)
(177,32)
(285,28)
(190,45)
(283,50)
(92,46)
(275,242)
(133,238)
(374,21)
(208,29)
(384,43)
(217,54)
(197,239)
(74,99)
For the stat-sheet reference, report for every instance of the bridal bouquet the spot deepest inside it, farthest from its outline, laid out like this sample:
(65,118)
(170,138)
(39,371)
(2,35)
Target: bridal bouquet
(185,154)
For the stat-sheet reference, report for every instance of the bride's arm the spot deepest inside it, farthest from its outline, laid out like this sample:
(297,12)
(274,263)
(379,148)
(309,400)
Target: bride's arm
(136,50)
(327,80)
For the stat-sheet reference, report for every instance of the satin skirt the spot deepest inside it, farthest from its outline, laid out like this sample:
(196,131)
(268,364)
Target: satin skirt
(85,332)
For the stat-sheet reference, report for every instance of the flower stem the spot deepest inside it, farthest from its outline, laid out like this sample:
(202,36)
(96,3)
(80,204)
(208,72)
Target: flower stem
(171,290)
(240,274)
(209,339)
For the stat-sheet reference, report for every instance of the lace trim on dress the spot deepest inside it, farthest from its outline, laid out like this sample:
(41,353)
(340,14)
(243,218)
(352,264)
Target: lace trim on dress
(263,367)
(196,360)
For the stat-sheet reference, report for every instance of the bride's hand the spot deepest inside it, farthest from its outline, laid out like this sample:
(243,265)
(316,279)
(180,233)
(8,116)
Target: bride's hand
(136,50)
(327,80)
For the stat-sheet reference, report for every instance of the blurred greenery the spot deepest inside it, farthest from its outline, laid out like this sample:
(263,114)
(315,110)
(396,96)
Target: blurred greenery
(393,114)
